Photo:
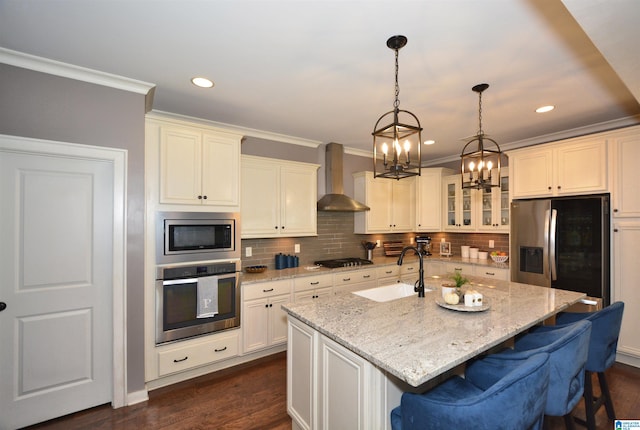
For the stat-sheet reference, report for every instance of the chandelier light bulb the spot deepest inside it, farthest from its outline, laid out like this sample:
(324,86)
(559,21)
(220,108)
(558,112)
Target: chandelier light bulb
(385,148)
(472,165)
(489,165)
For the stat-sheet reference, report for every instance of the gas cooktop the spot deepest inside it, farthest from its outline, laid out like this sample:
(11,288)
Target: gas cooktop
(343,262)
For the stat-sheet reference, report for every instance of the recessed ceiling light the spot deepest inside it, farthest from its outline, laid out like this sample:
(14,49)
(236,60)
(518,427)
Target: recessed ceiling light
(429,142)
(202,82)
(544,109)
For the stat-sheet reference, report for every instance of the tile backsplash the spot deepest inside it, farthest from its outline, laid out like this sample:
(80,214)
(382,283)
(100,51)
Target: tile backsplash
(336,240)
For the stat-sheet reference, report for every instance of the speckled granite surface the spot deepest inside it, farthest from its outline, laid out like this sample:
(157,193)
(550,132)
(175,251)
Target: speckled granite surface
(415,339)
(274,275)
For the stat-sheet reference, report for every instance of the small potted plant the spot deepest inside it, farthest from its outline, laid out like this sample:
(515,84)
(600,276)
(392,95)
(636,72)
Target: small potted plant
(454,287)
(460,281)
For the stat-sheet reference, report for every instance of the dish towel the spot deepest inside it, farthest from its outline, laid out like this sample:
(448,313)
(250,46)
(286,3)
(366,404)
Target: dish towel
(207,297)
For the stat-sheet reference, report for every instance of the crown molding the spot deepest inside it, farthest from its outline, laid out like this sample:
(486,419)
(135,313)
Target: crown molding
(57,68)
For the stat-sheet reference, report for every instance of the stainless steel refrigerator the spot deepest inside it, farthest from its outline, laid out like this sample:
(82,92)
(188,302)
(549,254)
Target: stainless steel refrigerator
(562,243)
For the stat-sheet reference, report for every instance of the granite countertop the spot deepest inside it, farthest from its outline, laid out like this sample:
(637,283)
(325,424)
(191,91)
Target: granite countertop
(310,270)
(415,339)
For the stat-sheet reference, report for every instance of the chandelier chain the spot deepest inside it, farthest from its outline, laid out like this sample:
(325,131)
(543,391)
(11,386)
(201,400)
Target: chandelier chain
(480,132)
(396,102)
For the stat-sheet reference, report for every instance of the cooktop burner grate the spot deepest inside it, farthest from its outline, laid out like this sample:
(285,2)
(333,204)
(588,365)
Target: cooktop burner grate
(343,262)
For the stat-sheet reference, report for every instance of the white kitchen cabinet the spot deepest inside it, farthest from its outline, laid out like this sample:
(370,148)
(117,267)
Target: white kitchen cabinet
(571,167)
(491,272)
(197,165)
(264,323)
(278,198)
(312,287)
(388,275)
(626,279)
(185,355)
(625,159)
(460,211)
(391,203)
(354,280)
(464,269)
(301,374)
(410,272)
(429,199)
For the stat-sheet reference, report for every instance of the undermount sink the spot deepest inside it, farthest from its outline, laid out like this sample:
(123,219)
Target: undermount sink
(387,293)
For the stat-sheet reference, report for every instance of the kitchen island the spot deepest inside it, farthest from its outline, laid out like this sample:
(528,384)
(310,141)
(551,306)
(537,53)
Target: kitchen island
(350,358)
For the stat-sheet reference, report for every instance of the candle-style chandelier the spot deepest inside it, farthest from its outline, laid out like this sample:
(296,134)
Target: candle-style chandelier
(396,141)
(480,155)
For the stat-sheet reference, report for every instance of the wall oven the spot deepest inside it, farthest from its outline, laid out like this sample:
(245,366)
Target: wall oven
(197,236)
(196,299)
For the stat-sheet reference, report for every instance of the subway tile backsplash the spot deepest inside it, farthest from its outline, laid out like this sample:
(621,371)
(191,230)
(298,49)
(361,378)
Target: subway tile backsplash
(336,239)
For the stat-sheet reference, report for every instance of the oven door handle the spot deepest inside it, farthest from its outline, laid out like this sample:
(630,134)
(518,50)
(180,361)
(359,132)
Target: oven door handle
(180,281)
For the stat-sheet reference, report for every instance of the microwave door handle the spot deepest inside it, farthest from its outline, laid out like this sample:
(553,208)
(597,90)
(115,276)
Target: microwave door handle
(552,244)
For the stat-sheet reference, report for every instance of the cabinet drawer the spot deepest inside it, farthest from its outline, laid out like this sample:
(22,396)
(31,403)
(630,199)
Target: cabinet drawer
(492,272)
(311,282)
(312,294)
(181,358)
(409,268)
(266,289)
(354,276)
(466,269)
(388,271)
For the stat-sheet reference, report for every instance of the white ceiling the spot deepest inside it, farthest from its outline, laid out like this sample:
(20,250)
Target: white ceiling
(320,70)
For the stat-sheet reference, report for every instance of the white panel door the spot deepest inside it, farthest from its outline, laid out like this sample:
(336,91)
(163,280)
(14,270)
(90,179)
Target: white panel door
(56,279)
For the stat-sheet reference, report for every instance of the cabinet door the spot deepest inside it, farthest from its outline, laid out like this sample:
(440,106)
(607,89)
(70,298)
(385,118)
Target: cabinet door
(429,200)
(626,154)
(403,208)
(626,279)
(493,204)
(581,168)
(278,320)
(255,329)
(220,176)
(301,368)
(532,173)
(180,166)
(379,194)
(299,198)
(460,205)
(260,205)
(342,387)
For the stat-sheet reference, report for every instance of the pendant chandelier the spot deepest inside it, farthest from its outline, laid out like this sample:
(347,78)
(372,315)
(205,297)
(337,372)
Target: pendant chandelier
(480,156)
(397,135)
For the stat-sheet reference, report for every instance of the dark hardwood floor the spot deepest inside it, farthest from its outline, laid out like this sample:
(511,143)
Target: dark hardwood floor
(253,396)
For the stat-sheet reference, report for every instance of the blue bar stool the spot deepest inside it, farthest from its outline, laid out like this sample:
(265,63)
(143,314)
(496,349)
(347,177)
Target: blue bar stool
(567,348)
(516,400)
(605,330)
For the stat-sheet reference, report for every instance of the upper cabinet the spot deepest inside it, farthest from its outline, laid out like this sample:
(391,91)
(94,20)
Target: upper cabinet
(625,155)
(429,199)
(485,210)
(575,166)
(197,165)
(392,204)
(278,198)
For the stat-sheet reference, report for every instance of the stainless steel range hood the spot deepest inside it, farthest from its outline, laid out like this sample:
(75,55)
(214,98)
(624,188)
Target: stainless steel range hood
(335,199)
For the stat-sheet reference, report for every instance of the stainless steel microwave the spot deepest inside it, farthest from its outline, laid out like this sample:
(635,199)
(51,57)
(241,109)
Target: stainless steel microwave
(197,236)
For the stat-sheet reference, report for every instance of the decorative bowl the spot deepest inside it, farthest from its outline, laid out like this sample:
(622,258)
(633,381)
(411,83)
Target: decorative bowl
(499,258)
(255,269)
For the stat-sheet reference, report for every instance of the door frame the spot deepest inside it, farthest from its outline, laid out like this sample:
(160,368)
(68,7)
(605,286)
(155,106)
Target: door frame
(119,159)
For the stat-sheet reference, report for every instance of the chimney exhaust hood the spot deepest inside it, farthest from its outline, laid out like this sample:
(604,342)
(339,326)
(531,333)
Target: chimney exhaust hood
(335,199)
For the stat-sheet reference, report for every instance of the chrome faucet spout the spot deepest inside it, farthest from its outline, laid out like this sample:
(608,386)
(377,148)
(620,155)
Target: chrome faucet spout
(419,285)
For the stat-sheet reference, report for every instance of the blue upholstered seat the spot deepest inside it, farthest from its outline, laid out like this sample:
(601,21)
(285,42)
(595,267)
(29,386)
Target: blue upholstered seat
(567,348)
(605,330)
(514,401)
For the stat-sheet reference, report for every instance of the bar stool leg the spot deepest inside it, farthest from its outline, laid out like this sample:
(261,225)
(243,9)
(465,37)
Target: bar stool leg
(604,392)
(589,404)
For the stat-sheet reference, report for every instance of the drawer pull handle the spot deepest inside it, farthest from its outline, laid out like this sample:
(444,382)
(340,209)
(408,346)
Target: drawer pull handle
(267,291)
(315,283)
(389,271)
(366,276)
(181,360)
(457,268)
(346,279)
(220,350)
(410,268)
(490,273)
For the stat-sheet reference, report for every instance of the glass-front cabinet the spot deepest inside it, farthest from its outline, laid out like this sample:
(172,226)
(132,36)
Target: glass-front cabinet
(477,210)
(459,205)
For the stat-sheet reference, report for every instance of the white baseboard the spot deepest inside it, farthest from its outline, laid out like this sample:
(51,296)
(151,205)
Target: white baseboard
(631,360)
(137,397)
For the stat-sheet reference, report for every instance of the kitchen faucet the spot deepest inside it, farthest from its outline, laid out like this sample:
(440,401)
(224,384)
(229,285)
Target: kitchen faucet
(419,285)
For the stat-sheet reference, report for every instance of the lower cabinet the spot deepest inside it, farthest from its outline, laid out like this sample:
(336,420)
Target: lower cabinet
(263,320)
(330,387)
(491,272)
(312,287)
(354,280)
(186,355)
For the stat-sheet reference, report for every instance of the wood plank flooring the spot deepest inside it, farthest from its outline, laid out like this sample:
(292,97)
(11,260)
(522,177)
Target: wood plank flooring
(253,396)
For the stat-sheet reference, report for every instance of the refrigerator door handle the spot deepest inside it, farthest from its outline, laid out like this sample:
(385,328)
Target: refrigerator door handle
(545,248)
(552,244)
